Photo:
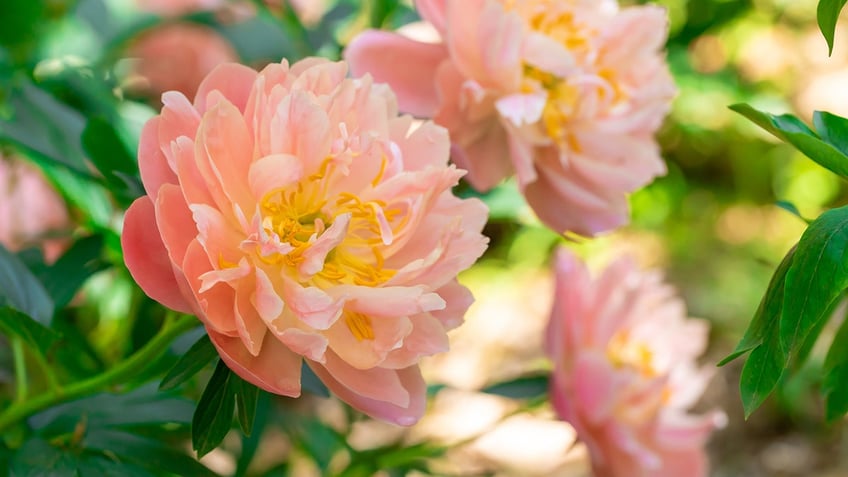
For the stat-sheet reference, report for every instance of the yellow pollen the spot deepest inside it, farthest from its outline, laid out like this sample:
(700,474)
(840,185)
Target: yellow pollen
(380,172)
(622,352)
(360,325)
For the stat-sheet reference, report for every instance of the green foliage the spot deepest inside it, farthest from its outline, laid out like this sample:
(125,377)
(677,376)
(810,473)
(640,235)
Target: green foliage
(111,157)
(21,290)
(214,414)
(196,358)
(526,387)
(828,13)
(815,279)
(36,336)
(792,130)
(65,277)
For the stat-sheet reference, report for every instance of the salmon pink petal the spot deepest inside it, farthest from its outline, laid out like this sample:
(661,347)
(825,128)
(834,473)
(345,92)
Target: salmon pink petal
(389,301)
(316,255)
(152,164)
(232,80)
(266,299)
(191,181)
(427,337)
(216,303)
(458,299)
(421,147)
(401,63)
(404,415)
(250,326)
(310,345)
(378,384)
(366,352)
(175,222)
(274,172)
(276,369)
(147,258)
(312,305)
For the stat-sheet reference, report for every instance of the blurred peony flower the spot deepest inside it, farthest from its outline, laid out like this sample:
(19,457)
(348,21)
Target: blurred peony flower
(624,371)
(300,218)
(178,56)
(30,209)
(565,94)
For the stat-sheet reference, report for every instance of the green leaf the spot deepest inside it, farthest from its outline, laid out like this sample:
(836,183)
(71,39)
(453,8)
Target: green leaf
(790,129)
(196,358)
(833,129)
(247,396)
(763,369)
(790,207)
(527,387)
(835,383)
(112,158)
(767,314)
(827,14)
(151,454)
(144,407)
(311,383)
(213,417)
(34,334)
(74,267)
(815,279)
(37,458)
(21,290)
(250,443)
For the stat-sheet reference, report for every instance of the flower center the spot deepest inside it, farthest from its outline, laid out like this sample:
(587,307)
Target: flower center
(624,352)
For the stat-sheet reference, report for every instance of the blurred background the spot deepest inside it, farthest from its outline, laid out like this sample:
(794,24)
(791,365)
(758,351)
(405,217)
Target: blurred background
(713,223)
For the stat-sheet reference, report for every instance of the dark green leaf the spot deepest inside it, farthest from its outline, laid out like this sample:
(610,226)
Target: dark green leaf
(767,314)
(792,130)
(213,417)
(21,290)
(74,267)
(196,358)
(311,383)
(833,129)
(148,453)
(20,20)
(250,444)
(35,335)
(790,207)
(37,458)
(527,387)
(815,279)
(112,158)
(247,395)
(99,465)
(763,369)
(835,371)
(144,407)
(828,14)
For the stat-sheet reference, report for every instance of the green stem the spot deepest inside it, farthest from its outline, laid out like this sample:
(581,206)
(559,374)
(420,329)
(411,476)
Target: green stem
(21,384)
(124,370)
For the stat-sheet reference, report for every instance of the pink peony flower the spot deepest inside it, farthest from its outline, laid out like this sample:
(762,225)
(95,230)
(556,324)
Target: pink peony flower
(301,219)
(178,56)
(30,210)
(624,371)
(566,94)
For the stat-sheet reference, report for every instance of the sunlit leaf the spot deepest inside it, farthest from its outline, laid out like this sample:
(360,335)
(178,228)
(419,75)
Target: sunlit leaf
(790,129)
(815,279)
(827,14)
(213,417)
(196,358)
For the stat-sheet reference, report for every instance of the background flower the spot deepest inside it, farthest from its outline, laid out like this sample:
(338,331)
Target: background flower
(624,370)
(566,95)
(300,218)
(30,210)
(178,56)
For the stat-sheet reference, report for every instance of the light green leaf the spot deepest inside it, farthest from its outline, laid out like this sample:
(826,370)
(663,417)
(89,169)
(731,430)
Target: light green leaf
(827,14)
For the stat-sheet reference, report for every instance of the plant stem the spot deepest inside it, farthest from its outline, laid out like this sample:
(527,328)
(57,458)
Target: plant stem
(21,385)
(128,368)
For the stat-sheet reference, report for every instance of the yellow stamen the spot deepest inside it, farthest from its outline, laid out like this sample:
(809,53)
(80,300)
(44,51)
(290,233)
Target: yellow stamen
(360,325)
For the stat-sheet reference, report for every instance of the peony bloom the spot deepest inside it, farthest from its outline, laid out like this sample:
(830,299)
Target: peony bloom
(565,94)
(625,373)
(30,210)
(301,218)
(178,56)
